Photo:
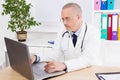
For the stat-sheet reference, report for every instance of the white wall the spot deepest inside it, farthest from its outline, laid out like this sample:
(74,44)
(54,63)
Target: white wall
(51,11)
(3,32)
(45,11)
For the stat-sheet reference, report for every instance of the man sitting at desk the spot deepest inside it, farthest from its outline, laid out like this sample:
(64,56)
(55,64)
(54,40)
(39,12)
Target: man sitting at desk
(76,47)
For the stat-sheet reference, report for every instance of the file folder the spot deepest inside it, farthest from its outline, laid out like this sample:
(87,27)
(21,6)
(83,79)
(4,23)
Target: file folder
(114,26)
(109,26)
(103,4)
(96,4)
(108,76)
(104,24)
(110,4)
(119,27)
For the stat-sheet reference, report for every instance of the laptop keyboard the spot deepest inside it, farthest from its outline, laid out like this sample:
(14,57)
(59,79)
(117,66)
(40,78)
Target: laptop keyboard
(38,70)
(39,73)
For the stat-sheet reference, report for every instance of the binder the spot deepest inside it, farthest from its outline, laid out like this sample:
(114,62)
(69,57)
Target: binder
(119,27)
(104,23)
(96,4)
(110,4)
(109,26)
(114,26)
(103,4)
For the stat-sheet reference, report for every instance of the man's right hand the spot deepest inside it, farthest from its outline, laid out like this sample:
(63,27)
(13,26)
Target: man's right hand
(32,59)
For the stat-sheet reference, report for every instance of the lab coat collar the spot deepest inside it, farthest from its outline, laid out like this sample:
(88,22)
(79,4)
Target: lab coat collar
(80,37)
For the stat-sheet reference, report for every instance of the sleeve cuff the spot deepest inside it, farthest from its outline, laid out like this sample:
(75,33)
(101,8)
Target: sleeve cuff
(65,69)
(37,59)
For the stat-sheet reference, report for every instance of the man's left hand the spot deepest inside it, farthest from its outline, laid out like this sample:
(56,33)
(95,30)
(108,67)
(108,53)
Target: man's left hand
(53,66)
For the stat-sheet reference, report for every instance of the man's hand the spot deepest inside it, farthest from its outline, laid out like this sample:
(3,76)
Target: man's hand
(32,59)
(53,66)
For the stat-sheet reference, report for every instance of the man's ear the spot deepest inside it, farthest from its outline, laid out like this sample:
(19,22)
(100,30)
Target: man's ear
(79,17)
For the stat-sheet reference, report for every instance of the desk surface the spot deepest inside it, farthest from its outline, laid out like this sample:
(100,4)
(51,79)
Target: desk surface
(83,74)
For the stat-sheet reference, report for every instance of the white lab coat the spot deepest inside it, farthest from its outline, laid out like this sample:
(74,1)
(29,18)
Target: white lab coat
(74,57)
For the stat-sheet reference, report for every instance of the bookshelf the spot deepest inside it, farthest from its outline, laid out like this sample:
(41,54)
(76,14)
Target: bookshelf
(96,17)
(110,49)
(96,20)
(107,11)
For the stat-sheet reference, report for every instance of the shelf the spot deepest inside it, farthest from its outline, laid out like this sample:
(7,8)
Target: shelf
(107,11)
(110,42)
(41,43)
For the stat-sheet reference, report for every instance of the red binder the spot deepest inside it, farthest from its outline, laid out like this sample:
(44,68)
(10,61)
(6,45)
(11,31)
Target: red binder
(109,26)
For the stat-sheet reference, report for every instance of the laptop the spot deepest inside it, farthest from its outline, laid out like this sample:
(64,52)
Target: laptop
(19,58)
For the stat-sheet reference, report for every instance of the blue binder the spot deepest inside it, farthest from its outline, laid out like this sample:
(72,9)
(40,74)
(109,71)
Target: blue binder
(110,4)
(103,4)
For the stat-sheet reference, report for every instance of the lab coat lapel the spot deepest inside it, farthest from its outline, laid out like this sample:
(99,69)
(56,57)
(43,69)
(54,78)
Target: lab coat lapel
(67,44)
(71,46)
(80,37)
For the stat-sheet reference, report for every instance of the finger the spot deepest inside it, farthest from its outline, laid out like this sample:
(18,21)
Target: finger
(50,70)
(48,66)
(32,59)
(49,62)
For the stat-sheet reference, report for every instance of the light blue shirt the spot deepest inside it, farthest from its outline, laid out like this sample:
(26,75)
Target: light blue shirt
(77,33)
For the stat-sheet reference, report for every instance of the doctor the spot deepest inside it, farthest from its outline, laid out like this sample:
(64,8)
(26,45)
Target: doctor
(76,47)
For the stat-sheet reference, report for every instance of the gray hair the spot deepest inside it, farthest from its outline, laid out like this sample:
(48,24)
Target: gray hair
(75,7)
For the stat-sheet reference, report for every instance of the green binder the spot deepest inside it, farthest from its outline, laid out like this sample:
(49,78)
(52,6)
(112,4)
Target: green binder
(104,26)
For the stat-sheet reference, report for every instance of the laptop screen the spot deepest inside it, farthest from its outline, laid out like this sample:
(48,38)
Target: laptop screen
(19,58)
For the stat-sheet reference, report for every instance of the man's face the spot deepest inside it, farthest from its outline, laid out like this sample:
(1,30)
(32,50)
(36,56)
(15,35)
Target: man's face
(70,19)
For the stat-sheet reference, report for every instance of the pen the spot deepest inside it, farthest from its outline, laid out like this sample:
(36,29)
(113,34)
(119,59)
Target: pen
(102,78)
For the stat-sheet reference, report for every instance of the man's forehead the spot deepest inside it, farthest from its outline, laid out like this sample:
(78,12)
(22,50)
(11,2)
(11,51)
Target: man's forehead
(67,12)
(67,9)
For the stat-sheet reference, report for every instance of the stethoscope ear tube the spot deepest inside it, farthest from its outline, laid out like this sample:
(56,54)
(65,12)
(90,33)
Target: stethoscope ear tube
(65,33)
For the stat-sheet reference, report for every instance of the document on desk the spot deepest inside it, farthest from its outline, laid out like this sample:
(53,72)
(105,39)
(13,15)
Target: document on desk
(108,76)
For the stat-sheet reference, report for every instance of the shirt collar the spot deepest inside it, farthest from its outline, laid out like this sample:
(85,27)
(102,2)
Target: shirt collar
(77,32)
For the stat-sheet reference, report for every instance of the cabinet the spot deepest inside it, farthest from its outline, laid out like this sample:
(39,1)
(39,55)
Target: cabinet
(110,49)
(37,43)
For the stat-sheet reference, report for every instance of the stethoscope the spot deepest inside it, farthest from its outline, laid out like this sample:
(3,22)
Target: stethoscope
(67,32)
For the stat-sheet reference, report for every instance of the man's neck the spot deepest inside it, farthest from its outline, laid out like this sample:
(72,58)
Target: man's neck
(78,27)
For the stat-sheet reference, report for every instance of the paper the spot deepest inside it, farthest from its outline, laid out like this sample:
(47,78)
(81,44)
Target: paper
(108,76)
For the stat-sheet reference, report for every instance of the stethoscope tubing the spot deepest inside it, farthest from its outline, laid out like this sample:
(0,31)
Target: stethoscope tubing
(83,36)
